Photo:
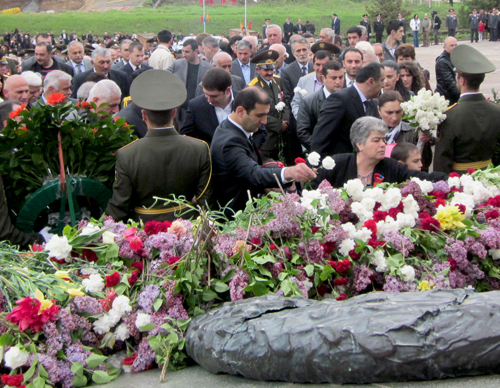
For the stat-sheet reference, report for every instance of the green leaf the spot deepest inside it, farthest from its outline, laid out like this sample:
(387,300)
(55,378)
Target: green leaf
(326,273)
(121,288)
(42,371)
(259,289)
(101,377)
(77,368)
(147,327)
(286,286)
(264,259)
(208,295)
(157,304)
(95,360)
(112,251)
(6,339)
(79,381)
(309,269)
(31,371)
(221,287)
(283,275)
(39,382)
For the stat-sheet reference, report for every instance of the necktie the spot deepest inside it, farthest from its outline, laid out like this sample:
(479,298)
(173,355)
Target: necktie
(369,110)
(78,69)
(255,150)
(304,70)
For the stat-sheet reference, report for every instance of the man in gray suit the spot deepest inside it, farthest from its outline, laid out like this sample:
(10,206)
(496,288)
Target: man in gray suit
(307,116)
(76,59)
(190,69)
(241,65)
(299,68)
(124,55)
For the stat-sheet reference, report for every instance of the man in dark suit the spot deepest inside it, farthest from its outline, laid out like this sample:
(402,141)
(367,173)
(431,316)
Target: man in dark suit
(378,27)
(133,116)
(311,28)
(208,110)
(241,66)
(336,24)
(237,165)
(163,164)
(124,55)
(136,60)
(341,109)
(101,60)
(310,106)
(291,74)
(288,29)
(223,60)
(299,28)
(468,136)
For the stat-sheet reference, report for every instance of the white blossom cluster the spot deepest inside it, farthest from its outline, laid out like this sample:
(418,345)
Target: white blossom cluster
(15,357)
(300,91)
(121,305)
(94,283)
(59,248)
(426,110)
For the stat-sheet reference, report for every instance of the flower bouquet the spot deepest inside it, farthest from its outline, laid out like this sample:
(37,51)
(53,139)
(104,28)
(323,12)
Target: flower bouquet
(425,112)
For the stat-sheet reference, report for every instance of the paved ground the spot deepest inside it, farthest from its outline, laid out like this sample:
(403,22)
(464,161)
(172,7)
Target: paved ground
(196,377)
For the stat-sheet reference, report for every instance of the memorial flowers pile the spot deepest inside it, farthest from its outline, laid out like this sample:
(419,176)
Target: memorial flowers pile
(109,296)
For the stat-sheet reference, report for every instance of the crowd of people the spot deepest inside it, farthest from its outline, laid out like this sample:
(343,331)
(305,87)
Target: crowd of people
(251,109)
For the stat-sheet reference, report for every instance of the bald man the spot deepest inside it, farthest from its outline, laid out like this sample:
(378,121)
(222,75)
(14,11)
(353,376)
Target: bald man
(280,62)
(16,89)
(223,60)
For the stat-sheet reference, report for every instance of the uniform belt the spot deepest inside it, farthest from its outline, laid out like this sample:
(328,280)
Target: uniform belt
(141,210)
(466,166)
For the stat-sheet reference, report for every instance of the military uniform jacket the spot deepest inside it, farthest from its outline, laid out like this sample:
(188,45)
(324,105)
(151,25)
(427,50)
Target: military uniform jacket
(162,164)
(367,25)
(274,119)
(451,22)
(378,26)
(469,133)
(474,21)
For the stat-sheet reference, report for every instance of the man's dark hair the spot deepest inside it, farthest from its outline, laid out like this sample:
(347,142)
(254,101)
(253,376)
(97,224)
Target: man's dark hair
(234,39)
(337,39)
(331,65)
(135,45)
(43,35)
(353,50)
(248,97)
(5,110)
(159,118)
(355,30)
(191,42)
(164,36)
(394,25)
(307,35)
(322,54)
(48,46)
(211,41)
(401,152)
(367,71)
(95,77)
(216,79)
(473,81)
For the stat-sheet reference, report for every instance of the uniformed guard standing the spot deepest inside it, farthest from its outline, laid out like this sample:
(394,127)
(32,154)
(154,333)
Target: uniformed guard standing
(277,141)
(468,136)
(164,163)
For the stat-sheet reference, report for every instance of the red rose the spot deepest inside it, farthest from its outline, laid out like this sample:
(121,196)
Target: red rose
(342,266)
(299,160)
(133,277)
(439,202)
(492,214)
(454,175)
(173,260)
(139,265)
(329,247)
(89,255)
(113,279)
(273,247)
(256,241)
(341,297)
(340,282)
(430,223)
(56,98)
(129,360)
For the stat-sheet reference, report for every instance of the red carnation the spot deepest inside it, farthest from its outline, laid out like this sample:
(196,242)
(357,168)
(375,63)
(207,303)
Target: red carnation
(13,381)
(322,289)
(329,247)
(136,243)
(273,247)
(341,297)
(423,215)
(340,281)
(439,202)
(314,229)
(342,266)
(379,215)
(56,98)
(129,360)
(470,171)
(139,265)
(89,255)
(155,227)
(299,160)
(430,223)
(113,279)
(492,214)
(454,175)
(453,263)
(256,241)
(438,194)
(173,260)
(494,201)
(28,315)
(393,212)
(373,242)
(371,225)
(133,277)
(353,255)
(461,208)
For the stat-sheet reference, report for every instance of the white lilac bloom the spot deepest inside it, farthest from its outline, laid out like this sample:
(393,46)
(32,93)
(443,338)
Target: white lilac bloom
(407,273)
(377,258)
(406,220)
(364,234)
(121,332)
(310,196)
(59,247)
(376,193)
(349,228)
(142,320)
(346,246)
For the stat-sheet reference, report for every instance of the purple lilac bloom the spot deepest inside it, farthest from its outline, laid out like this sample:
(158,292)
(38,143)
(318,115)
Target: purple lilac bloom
(67,376)
(285,224)
(302,287)
(129,321)
(86,304)
(237,284)
(52,367)
(456,249)
(67,325)
(441,186)
(314,251)
(224,244)
(475,247)
(177,310)
(54,338)
(148,296)
(76,353)
(362,276)
(399,242)
(145,357)
(490,237)
(165,242)
(254,231)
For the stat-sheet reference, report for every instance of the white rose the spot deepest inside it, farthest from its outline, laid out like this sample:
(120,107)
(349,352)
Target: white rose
(142,320)
(407,273)
(15,357)
(354,189)
(328,163)
(280,106)
(94,283)
(108,237)
(59,247)
(121,333)
(313,158)
(89,229)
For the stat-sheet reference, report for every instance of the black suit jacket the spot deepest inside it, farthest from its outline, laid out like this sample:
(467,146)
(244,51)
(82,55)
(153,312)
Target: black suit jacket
(237,168)
(127,69)
(118,76)
(200,120)
(290,77)
(337,114)
(308,116)
(133,116)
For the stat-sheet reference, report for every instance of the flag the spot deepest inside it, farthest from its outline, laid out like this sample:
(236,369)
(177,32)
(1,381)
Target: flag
(208,17)
(249,25)
(201,19)
(211,2)
(241,25)
(234,2)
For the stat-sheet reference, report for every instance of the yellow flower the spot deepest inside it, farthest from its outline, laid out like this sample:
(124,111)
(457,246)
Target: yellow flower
(44,303)
(424,285)
(450,218)
(75,292)
(63,275)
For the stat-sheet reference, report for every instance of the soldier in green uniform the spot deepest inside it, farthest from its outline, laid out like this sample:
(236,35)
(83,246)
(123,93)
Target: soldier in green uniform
(164,163)
(276,143)
(468,136)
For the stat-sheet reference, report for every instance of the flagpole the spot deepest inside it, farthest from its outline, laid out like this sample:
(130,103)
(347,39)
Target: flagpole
(245,14)
(204,18)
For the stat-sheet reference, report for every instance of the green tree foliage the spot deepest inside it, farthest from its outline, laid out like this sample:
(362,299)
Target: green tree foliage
(467,7)
(389,9)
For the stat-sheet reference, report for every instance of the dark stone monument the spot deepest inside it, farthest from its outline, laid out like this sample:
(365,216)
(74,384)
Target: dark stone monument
(370,338)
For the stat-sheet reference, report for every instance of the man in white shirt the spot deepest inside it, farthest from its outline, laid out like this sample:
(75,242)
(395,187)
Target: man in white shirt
(353,59)
(162,58)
